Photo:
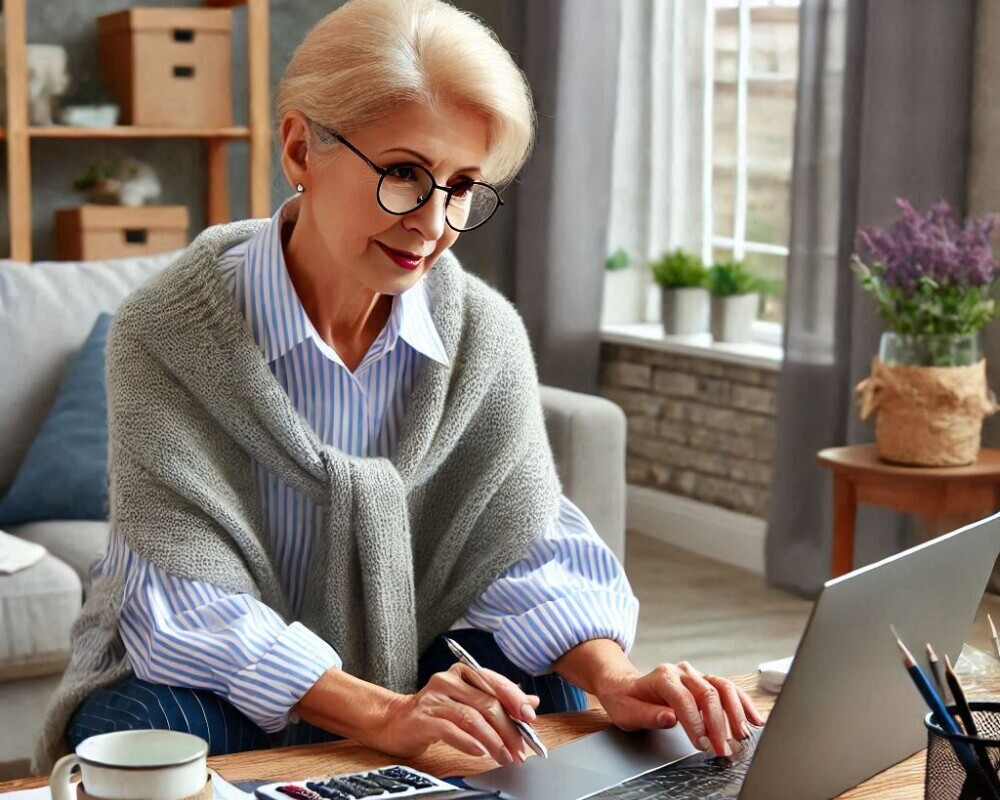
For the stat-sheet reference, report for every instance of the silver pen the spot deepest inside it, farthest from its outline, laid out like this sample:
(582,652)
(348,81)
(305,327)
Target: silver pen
(526,731)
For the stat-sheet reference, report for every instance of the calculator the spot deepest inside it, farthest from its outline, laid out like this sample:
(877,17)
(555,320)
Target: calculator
(387,782)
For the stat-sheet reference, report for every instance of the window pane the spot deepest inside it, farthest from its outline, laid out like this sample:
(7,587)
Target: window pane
(770,124)
(768,210)
(726,44)
(774,40)
(720,254)
(724,122)
(723,200)
(772,269)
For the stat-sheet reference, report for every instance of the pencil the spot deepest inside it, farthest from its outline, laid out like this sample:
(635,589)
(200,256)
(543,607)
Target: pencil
(993,635)
(526,731)
(965,713)
(963,752)
(936,670)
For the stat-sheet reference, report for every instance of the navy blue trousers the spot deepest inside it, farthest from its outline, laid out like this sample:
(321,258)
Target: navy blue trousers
(136,704)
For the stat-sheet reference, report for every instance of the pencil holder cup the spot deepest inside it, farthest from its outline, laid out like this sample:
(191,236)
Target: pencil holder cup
(946,778)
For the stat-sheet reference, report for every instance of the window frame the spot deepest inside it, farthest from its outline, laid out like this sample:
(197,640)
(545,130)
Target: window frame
(764,332)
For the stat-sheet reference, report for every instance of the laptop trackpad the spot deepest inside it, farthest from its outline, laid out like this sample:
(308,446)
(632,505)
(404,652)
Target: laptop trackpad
(588,765)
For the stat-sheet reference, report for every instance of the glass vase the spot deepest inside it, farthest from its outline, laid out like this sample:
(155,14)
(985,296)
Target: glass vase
(930,350)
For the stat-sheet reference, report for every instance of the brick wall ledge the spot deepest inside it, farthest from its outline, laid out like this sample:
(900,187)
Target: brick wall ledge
(650,334)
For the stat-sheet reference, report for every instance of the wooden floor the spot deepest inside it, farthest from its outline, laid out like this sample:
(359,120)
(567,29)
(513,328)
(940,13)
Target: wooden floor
(724,620)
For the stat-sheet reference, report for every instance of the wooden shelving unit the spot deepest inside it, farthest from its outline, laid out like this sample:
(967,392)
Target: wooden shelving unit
(18,134)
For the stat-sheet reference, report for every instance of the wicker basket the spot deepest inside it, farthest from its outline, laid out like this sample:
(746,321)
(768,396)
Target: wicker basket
(927,416)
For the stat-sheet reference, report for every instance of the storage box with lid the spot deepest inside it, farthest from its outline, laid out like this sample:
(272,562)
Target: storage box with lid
(169,67)
(90,232)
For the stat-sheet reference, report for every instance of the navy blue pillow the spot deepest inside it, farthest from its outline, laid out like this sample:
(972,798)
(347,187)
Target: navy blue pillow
(65,472)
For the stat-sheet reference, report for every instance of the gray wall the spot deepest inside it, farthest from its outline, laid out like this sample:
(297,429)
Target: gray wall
(179,163)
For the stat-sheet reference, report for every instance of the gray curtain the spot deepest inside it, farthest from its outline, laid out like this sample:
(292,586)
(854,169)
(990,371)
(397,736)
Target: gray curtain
(570,56)
(883,112)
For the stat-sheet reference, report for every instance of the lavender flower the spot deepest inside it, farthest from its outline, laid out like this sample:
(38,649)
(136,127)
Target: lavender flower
(929,274)
(934,246)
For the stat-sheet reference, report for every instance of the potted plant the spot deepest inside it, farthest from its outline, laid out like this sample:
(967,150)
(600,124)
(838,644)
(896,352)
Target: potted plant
(623,290)
(683,296)
(935,284)
(735,300)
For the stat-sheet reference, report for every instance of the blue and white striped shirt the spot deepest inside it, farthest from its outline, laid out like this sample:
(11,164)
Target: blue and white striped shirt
(567,589)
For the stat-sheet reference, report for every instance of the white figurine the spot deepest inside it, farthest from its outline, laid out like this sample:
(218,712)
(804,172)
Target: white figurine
(139,183)
(47,79)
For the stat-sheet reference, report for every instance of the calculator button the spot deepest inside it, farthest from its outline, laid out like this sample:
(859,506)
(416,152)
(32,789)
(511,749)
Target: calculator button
(297,792)
(404,776)
(342,786)
(386,783)
(326,792)
(361,788)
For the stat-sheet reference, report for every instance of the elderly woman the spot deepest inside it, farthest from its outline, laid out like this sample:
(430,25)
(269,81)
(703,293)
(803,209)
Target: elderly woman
(327,448)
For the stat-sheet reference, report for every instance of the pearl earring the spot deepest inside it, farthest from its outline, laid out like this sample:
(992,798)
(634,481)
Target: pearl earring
(300,188)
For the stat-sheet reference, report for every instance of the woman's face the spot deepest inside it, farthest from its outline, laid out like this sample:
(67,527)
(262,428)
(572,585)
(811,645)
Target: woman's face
(345,222)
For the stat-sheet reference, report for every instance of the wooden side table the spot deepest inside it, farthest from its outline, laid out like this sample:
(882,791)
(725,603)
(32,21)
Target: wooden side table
(934,493)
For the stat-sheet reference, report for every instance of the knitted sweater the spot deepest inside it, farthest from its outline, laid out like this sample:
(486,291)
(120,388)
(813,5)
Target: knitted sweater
(407,543)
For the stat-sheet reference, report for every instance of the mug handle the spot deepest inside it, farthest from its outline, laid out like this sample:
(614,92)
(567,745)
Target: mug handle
(59,782)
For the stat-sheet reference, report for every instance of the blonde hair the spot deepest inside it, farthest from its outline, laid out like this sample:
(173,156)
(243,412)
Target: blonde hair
(359,62)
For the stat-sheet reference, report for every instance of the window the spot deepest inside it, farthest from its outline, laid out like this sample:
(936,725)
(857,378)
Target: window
(752,66)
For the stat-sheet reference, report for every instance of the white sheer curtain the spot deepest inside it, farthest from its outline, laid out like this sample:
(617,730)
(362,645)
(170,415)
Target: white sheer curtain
(661,140)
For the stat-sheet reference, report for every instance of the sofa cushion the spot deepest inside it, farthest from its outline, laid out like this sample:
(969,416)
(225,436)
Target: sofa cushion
(78,543)
(38,607)
(46,311)
(65,472)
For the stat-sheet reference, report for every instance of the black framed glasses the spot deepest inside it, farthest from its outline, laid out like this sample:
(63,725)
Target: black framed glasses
(404,188)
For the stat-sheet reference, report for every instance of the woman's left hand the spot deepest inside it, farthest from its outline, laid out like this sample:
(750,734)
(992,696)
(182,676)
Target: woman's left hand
(710,709)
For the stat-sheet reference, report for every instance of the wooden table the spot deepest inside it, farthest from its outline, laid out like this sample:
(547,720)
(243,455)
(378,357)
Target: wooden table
(941,495)
(904,781)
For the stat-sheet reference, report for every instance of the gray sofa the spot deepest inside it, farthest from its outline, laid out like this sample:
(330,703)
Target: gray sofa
(46,312)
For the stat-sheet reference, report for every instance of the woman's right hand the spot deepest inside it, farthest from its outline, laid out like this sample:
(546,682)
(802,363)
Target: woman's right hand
(455,708)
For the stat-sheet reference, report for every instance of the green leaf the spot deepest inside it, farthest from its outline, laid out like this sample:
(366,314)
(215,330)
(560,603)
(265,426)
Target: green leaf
(678,269)
(617,260)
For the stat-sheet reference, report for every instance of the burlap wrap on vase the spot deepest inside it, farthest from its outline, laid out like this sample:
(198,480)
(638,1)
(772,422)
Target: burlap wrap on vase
(927,416)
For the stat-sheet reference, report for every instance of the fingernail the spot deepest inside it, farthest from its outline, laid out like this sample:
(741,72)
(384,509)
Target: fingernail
(704,744)
(747,733)
(506,758)
(728,749)
(527,712)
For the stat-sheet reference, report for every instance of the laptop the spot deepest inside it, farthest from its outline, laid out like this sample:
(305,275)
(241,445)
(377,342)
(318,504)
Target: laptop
(847,710)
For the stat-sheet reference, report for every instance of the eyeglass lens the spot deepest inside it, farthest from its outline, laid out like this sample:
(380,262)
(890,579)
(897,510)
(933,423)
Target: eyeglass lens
(406,187)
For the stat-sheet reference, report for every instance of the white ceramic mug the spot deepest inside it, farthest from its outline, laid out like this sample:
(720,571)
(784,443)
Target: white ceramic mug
(135,765)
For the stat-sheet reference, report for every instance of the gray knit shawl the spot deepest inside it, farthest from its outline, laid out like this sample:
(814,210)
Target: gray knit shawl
(406,544)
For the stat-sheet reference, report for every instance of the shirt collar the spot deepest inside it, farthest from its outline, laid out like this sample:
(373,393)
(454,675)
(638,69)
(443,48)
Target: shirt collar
(279,322)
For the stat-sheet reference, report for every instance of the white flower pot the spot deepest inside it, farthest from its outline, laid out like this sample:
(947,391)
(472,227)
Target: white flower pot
(623,296)
(684,312)
(733,317)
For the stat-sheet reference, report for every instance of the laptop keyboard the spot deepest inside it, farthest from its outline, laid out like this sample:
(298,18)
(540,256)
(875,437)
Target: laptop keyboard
(395,781)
